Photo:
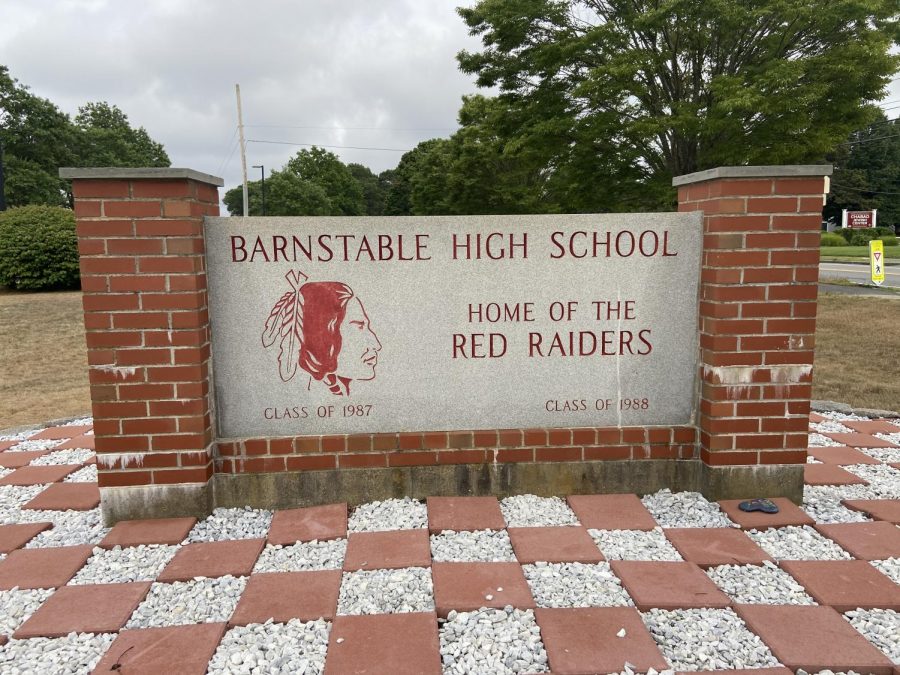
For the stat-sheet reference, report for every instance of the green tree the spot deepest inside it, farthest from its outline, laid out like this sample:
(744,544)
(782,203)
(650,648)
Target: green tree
(373,187)
(648,89)
(106,138)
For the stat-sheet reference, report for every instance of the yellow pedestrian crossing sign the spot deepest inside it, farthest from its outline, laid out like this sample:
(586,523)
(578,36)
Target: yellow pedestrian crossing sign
(876,258)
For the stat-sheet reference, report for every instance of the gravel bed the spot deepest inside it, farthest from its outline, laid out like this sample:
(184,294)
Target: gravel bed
(408,589)
(889,567)
(390,514)
(63,457)
(893,437)
(86,474)
(707,639)
(5,472)
(887,455)
(575,585)
(12,497)
(308,555)
(292,647)
(823,504)
(76,653)
(121,565)
(29,446)
(478,546)
(765,584)
(836,416)
(492,641)
(533,511)
(818,440)
(812,460)
(187,602)
(685,509)
(797,543)
(237,523)
(882,478)
(634,545)
(881,627)
(21,436)
(17,605)
(70,528)
(830,427)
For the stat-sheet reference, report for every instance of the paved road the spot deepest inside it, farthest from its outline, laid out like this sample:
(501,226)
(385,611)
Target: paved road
(858,273)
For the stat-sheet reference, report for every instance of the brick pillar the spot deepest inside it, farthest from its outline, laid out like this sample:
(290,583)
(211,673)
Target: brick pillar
(757,323)
(143,277)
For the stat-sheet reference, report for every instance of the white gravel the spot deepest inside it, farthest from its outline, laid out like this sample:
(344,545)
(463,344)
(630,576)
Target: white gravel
(70,528)
(30,446)
(812,460)
(823,504)
(86,474)
(881,627)
(533,511)
(74,654)
(685,509)
(237,523)
(893,437)
(887,455)
(273,648)
(12,497)
(5,472)
(476,546)
(408,589)
(797,543)
(765,584)
(635,545)
(889,567)
(819,441)
(186,602)
(17,605)
(120,565)
(390,514)
(830,427)
(302,556)
(883,479)
(80,422)
(575,585)
(707,639)
(492,641)
(21,436)
(843,417)
(63,457)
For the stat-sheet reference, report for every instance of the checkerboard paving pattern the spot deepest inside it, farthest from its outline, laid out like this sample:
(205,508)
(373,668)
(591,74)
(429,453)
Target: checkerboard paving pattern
(455,584)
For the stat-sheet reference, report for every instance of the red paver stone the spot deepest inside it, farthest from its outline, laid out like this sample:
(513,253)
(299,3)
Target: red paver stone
(879,509)
(213,559)
(871,427)
(388,550)
(845,584)
(857,440)
(829,474)
(14,460)
(283,596)
(752,671)
(42,567)
(813,638)
(388,644)
(553,544)
(100,608)
(466,586)
(16,536)
(58,433)
(865,541)
(464,514)
(316,522)
(611,512)
(841,455)
(78,443)
(668,585)
(66,496)
(169,531)
(583,640)
(38,475)
(708,546)
(185,650)
(788,514)
(7,444)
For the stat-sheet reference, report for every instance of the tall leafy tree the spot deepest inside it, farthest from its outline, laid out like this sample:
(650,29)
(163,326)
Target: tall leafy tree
(649,89)
(106,138)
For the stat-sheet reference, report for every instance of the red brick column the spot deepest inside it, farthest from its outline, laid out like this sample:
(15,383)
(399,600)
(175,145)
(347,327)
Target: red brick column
(143,276)
(757,323)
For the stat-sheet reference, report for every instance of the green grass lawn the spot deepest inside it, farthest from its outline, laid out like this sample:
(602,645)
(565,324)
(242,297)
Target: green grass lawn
(857,251)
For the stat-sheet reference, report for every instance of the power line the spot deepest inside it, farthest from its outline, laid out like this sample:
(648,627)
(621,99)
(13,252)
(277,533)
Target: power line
(335,128)
(320,145)
(227,158)
(873,192)
(870,140)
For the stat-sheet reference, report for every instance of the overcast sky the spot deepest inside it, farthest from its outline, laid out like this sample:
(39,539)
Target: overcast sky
(365,73)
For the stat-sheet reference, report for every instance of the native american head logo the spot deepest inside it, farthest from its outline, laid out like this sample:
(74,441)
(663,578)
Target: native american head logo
(322,328)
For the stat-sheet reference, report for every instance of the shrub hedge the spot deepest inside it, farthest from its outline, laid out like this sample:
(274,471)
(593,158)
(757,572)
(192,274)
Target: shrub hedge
(38,248)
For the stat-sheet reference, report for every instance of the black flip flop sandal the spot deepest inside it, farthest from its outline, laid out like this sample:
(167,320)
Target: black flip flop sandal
(764,505)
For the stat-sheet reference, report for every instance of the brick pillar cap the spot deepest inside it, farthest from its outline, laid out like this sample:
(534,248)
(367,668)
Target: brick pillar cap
(118,173)
(784,171)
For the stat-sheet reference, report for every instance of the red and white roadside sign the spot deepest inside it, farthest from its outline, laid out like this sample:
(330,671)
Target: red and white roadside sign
(859,219)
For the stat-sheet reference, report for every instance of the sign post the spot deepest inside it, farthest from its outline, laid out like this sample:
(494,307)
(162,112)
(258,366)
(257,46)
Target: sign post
(876,259)
(859,219)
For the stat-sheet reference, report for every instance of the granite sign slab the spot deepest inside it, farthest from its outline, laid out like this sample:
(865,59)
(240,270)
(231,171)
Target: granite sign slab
(365,325)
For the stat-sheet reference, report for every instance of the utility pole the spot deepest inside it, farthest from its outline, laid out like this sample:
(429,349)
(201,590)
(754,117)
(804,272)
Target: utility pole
(237,91)
(262,170)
